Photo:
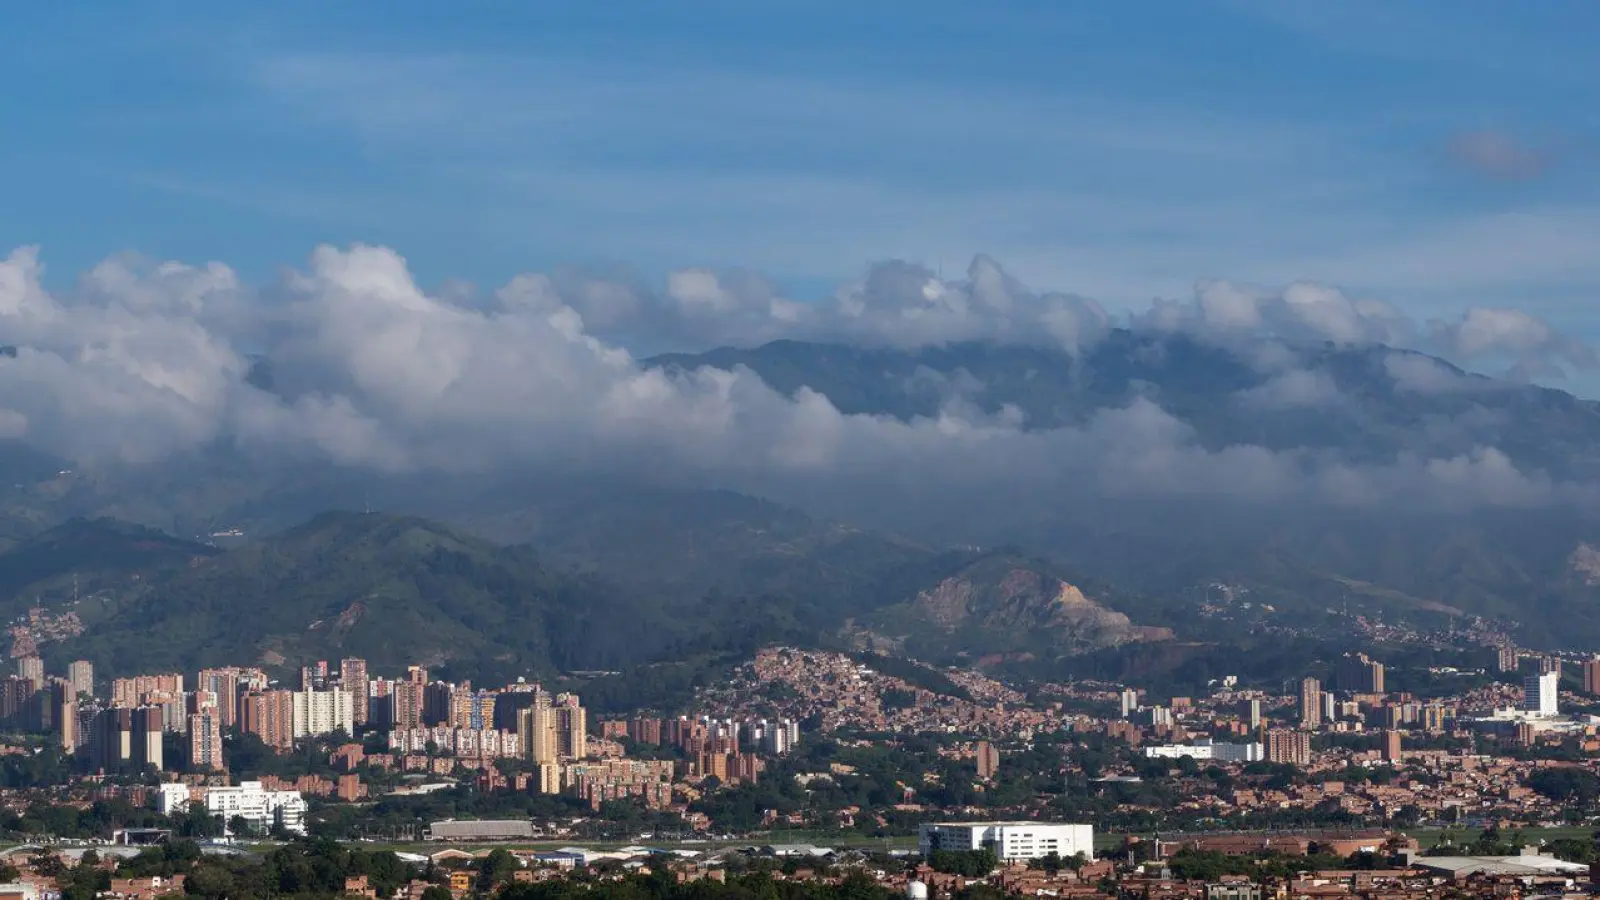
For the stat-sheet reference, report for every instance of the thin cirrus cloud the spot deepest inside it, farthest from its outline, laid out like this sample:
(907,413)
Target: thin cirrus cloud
(145,362)
(796,172)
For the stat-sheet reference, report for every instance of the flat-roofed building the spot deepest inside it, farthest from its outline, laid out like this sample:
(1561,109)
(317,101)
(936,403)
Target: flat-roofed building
(1010,841)
(481,830)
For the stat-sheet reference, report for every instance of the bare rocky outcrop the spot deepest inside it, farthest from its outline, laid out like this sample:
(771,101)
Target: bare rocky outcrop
(1028,604)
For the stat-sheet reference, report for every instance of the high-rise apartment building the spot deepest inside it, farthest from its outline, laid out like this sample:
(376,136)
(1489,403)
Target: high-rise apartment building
(572,728)
(18,701)
(81,673)
(1506,659)
(380,703)
(58,713)
(473,709)
(778,737)
(1591,671)
(1289,747)
(988,759)
(1253,713)
(130,692)
(537,729)
(1539,693)
(111,738)
(205,740)
(353,680)
(437,697)
(1129,702)
(645,730)
(511,704)
(149,724)
(229,684)
(406,704)
(1310,703)
(1548,664)
(1359,674)
(125,739)
(1433,716)
(31,667)
(269,715)
(1391,746)
(322,712)
(315,676)
(547,778)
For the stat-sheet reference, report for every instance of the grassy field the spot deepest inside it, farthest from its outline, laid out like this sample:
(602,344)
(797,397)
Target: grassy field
(1429,837)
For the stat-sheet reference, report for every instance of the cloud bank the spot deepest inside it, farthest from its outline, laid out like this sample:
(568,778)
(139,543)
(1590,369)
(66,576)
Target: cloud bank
(142,362)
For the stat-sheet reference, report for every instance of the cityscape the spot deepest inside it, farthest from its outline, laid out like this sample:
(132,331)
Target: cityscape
(765,450)
(1340,781)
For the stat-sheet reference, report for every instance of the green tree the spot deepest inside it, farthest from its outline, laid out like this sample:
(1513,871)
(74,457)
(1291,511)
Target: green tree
(85,882)
(496,869)
(47,864)
(970,863)
(1051,862)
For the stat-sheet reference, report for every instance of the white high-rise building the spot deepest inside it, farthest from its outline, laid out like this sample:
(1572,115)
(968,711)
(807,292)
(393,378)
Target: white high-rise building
(1539,693)
(323,712)
(1130,702)
(777,737)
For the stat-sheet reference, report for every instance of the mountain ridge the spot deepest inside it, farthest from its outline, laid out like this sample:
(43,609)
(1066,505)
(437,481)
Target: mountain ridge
(397,590)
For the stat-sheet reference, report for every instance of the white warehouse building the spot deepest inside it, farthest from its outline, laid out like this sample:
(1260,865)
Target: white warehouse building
(1011,841)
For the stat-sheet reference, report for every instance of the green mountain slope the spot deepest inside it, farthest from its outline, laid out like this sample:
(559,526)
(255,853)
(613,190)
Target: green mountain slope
(97,554)
(397,590)
(394,590)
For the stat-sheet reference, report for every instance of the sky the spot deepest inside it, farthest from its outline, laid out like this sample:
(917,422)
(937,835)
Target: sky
(1435,156)
(455,229)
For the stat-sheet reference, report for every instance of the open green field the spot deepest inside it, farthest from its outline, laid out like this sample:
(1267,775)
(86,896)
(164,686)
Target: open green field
(1429,837)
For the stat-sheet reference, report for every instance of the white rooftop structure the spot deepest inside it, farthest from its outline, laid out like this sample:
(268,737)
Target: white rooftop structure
(1529,862)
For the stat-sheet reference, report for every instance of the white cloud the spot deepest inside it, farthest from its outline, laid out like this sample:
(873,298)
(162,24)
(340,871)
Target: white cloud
(1300,311)
(145,362)
(1528,345)
(1296,389)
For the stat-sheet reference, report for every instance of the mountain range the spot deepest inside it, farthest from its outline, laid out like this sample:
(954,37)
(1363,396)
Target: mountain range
(539,572)
(398,590)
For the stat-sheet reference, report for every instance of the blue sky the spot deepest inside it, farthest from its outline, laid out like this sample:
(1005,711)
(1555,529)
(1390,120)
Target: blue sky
(1434,155)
